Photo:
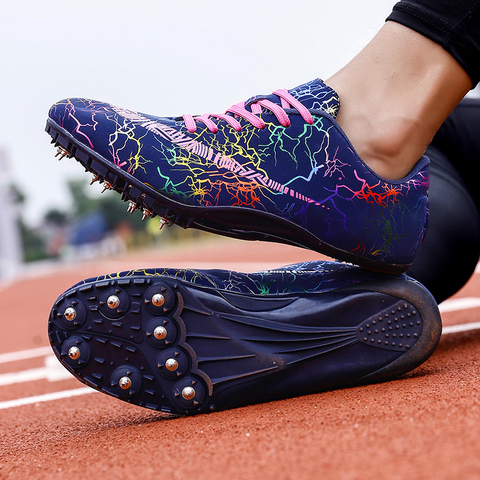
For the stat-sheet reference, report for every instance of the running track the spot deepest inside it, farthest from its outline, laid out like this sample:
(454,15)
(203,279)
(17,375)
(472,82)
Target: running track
(424,425)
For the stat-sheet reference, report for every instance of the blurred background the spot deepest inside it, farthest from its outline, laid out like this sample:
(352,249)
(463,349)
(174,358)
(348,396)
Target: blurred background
(154,56)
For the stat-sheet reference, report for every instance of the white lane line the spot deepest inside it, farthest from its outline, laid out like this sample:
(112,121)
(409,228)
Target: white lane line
(53,371)
(24,376)
(47,397)
(25,354)
(465,327)
(455,304)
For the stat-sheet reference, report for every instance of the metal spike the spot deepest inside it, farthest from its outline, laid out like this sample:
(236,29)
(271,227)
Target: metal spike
(171,364)
(125,382)
(94,179)
(70,314)
(61,151)
(74,353)
(107,186)
(160,332)
(158,299)
(163,222)
(113,301)
(188,393)
(132,206)
(146,213)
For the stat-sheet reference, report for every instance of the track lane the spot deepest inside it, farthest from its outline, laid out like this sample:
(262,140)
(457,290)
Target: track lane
(389,430)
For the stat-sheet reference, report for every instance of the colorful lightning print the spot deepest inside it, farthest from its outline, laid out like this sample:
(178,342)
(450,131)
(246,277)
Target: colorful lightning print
(305,173)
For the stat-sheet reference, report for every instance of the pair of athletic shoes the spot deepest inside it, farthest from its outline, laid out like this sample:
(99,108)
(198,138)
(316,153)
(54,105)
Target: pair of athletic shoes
(277,168)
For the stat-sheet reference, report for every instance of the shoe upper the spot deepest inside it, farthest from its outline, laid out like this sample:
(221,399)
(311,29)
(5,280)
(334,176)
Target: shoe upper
(283,154)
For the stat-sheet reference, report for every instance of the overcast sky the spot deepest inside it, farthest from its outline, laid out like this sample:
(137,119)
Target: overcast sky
(159,57)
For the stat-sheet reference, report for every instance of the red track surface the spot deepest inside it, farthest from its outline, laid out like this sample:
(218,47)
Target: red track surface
(424,425)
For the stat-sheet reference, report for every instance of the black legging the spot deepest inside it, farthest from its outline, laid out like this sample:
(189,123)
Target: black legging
(451,248)
(453,24)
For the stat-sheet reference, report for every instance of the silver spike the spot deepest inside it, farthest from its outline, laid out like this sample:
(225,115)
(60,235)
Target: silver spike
(106,186)
(132,206)
(74,353)
(188,393)
(146,213)
(160,332)
(158,299)
(171,364)
(61,151)
(113,301)
(125,383)
(70,314)
(163,222)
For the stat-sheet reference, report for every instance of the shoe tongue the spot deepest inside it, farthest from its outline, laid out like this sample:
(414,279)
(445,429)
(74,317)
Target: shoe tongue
(314,95)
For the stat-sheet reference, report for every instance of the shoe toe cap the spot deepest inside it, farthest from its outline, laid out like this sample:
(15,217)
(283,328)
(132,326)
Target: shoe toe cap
(81,118)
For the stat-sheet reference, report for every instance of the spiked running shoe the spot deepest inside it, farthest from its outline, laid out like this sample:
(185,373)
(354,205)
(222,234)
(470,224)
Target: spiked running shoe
(187,341)
(276,168)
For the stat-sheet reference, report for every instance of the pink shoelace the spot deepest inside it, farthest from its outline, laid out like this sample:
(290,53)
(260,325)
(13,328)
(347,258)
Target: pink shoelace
(239,110)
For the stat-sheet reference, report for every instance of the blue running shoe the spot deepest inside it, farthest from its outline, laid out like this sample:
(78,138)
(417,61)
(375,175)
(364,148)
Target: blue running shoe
(188,342)
(275,167)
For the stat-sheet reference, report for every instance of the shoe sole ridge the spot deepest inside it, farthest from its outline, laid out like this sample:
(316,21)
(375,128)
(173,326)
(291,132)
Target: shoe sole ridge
(216,219)
(230,352)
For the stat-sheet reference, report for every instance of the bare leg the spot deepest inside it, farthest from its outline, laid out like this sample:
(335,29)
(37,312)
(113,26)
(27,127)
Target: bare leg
(395,94)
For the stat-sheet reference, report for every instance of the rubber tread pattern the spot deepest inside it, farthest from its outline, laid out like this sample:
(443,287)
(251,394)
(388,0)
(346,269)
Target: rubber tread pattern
(231,352)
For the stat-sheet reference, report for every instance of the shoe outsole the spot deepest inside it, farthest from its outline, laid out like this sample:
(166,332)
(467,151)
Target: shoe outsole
(236,222)
(169,345)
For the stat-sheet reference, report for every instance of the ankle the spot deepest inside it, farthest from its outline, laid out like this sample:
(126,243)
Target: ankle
(393,149)
(394,95)
(388,144)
